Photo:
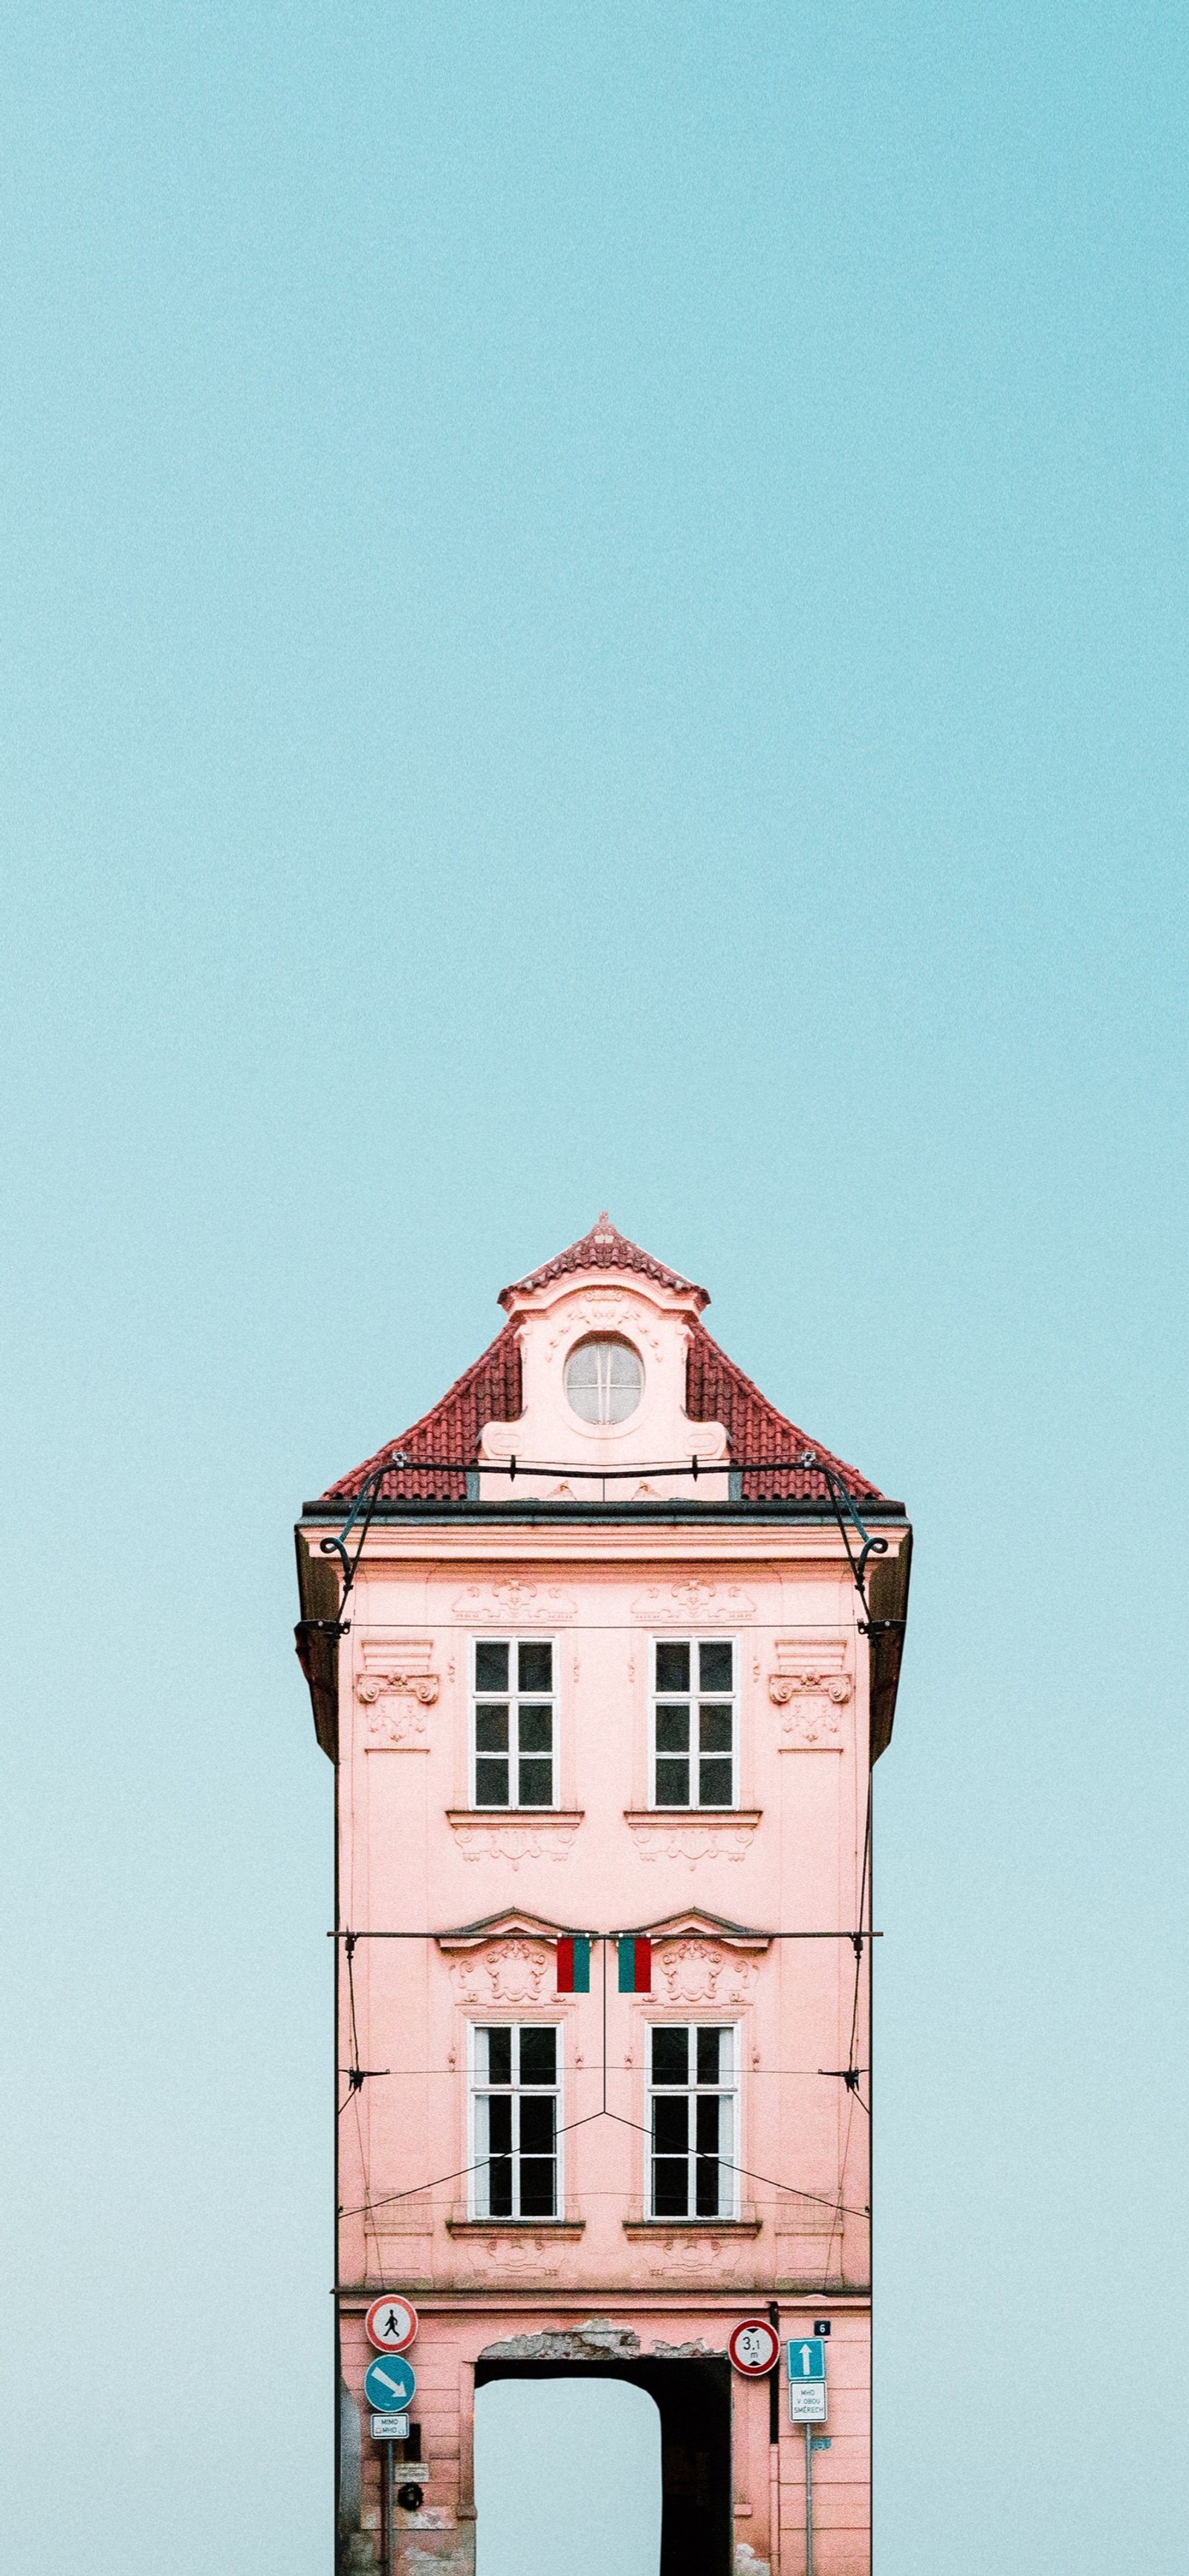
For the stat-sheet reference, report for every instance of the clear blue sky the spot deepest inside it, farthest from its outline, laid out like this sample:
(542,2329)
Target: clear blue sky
(593,615)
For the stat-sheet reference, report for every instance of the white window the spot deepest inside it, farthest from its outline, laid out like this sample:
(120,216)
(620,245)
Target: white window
(604,1380)
(515,2099)
(694,1746)
(693,2120)
(513,1732)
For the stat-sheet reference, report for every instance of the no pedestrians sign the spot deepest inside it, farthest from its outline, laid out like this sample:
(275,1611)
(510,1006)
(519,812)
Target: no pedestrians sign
(391,2323)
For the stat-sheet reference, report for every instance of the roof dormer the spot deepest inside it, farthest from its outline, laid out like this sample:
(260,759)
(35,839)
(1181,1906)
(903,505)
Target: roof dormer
(603,1365)
(604,1333)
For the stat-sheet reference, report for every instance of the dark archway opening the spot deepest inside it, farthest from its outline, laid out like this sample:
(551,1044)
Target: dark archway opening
(693,2399)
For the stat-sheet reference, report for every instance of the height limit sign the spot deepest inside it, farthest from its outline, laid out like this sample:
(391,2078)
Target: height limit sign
(807,2380)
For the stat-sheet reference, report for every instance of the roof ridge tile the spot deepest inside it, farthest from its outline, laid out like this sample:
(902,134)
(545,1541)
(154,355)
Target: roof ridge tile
(603,1248)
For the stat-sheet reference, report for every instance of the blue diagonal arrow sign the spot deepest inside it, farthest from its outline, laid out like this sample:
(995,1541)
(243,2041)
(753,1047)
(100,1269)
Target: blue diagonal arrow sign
(389,2383)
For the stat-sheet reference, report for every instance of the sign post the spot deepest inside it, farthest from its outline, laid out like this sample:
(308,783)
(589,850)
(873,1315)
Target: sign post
(389,2385)
(774,2548)
(809,2500)
(390,2326)
(807,2406)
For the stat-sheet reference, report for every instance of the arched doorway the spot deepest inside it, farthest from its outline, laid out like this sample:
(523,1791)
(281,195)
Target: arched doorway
(567,2478)
(693,2403)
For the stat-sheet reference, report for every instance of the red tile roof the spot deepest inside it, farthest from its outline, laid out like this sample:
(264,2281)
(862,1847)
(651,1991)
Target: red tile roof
(605,1248)
(760,1437)
(764,1442)
(489,1391)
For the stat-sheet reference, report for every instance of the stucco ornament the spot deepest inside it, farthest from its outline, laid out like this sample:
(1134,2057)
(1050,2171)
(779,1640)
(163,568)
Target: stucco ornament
(692,1842)
(517,2254)
(813,1724)
(514,1604)
(782,1687)
(423,1686)
(510,1972)
(693,1601)
(397,1726)
(395,1687)
(812,1689)
(698,2257)
(696,1972)
(513,1843)
(604,1310)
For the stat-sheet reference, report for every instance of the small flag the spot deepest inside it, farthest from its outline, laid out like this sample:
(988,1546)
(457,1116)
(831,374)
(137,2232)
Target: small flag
(635,1964)
(573,1964)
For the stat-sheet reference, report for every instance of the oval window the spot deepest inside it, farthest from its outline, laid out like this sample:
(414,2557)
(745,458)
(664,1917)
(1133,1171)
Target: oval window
(604,1380)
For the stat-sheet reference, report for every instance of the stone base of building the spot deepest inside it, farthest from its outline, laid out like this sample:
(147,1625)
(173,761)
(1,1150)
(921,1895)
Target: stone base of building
(734,2501)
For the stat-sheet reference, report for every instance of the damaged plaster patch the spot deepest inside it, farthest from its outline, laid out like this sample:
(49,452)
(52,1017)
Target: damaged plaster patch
(747,2563)
(597,2340)
(689,2351)
(444,2562)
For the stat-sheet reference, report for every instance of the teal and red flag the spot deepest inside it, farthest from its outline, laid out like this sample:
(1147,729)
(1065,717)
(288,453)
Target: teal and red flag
(635,1964)
(573,1963)
(634,1953)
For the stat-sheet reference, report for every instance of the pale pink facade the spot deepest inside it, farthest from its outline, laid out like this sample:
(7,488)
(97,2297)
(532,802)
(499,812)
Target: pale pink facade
(442,2194)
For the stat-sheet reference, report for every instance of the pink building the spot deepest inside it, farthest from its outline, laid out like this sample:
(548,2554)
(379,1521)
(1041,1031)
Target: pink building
(619,1649)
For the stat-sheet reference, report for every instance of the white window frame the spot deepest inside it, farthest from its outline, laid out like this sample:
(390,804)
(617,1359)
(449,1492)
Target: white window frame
(603,1344)
(479,2194)
(693,1695)
(514,1697)
(729,2175)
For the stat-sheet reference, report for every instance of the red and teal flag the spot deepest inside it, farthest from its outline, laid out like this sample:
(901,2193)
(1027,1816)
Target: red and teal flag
(573,1963)
(635,1964)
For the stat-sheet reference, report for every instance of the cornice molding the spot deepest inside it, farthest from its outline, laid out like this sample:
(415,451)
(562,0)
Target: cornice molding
(682,2229)
(519,2228)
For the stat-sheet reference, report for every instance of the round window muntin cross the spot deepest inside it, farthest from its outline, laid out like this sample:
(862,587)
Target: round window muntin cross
(604,1380)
